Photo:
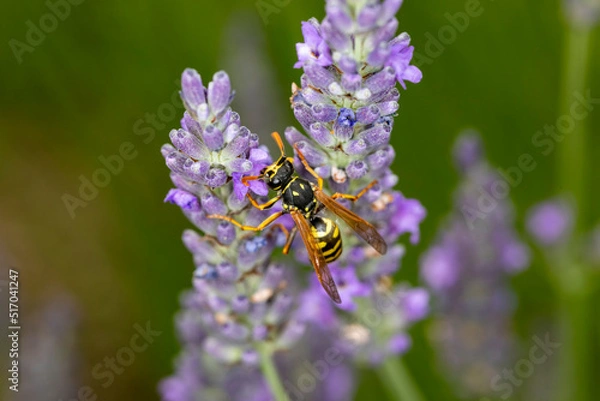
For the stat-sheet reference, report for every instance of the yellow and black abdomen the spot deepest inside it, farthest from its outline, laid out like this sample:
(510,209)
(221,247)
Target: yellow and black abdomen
(328,236)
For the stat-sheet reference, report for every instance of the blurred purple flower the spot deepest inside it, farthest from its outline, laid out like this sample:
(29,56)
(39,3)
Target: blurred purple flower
(415,303)
(312,307)
(399,344)
(349,287)
(50,354)
(467,270)
(439,267)
(551,223)
(468,151)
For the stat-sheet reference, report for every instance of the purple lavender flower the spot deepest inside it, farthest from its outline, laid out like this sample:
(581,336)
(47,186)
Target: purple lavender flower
(315,49)
(551,223)
(317,353)
(200,377)
(467,270)
(378,328)
(240,299)
(346,104)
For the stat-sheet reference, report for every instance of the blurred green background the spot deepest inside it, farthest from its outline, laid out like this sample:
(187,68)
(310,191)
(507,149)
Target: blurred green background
(77,96)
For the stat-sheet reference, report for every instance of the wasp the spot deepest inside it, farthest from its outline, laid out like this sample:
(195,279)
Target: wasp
(303,201)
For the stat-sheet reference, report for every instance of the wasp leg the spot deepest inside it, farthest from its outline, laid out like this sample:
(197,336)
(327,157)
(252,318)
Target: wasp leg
(320,207)
(356,197)
(290,240)
(283,229)
(250,178)
(262,206)
(289,237)
(260,227)
(309,168)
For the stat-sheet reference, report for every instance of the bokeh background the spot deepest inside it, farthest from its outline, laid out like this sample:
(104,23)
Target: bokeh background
(87,279)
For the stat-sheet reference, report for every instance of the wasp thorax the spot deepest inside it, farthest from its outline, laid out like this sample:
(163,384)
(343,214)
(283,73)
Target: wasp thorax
(279,173)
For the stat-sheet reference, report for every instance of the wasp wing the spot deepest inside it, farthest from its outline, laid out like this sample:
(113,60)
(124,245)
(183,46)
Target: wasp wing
(316,257)
(364,229)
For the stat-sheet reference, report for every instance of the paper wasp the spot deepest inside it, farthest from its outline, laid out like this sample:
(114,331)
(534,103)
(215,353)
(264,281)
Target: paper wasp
(303,200)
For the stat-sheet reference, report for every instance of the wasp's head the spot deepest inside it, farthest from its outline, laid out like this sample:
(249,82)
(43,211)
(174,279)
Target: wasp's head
(279,173)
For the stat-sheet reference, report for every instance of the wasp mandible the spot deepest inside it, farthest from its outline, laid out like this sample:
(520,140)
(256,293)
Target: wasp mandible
(303,200)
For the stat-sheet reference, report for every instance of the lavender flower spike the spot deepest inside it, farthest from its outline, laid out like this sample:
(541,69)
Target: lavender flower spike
(346,104)
(240,299)
(467,270)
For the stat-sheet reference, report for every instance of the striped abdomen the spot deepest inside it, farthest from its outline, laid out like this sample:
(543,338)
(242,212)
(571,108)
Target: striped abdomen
(328,237)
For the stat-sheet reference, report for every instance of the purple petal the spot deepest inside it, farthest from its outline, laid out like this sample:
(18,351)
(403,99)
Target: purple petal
(311,34)
(183,199)
(415,303)
(315,48)
(399,344)
(239,189)
(439,268)
(216,177)
(259,187)
(192,90)
(219,92)
(408,217)
(260,158)
(357,169)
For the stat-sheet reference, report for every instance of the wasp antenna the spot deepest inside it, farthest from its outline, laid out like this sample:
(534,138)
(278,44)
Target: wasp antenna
(298,151)
(277,139)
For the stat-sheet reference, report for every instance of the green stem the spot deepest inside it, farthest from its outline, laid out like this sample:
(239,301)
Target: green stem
(269,370)
(572,161)
(576,331)
(396,377)
(574,314)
